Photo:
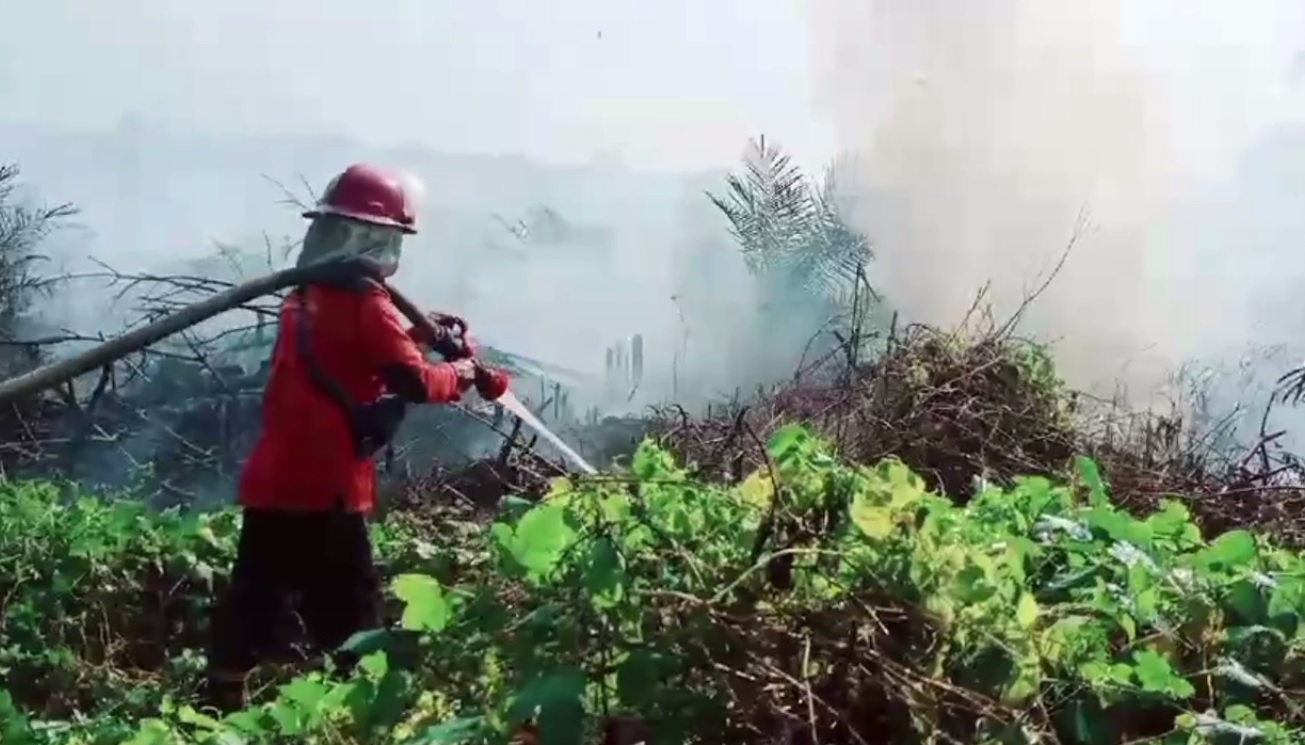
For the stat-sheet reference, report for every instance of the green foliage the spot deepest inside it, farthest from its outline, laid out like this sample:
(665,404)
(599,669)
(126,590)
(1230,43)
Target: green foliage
(1031,611)
(68,574)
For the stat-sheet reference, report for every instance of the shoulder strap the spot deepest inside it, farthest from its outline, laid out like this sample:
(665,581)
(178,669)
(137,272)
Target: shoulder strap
(324,383)
(370,426)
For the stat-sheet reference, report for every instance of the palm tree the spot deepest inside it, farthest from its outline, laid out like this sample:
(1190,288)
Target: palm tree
(790,228)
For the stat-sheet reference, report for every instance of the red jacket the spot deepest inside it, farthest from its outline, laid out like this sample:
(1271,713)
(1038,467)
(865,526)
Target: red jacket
(305,458)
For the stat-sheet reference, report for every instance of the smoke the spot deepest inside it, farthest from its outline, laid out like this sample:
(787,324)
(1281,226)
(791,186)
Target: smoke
(556,264)
(981,132)
(414,186)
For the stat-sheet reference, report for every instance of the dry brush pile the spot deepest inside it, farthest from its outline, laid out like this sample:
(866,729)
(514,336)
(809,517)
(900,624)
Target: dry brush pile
(965,409)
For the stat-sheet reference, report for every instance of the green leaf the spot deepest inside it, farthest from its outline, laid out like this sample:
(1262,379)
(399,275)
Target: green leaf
(152,732)
(402,647)
(391,700)
(514,506)
(1024,683)
(363,643)
(305,692)
(1090,474)
(1240,713)
(1233,549)
(789,440)
(637,678)
(1286,607)
(1181,689)
(905,487)
(562,723)
(873,521)
(564,685)
(877,508)
(541,538)
(451,732)
(1067,636)
(1128,624)
(1172,519)
(971,584)
(253,722)
(426,608)
(1119,526)
(1155,675)
(288,718)
(652,463)
(555,702)
(605,575)
(1026,611)
(1246,601)
(188,715)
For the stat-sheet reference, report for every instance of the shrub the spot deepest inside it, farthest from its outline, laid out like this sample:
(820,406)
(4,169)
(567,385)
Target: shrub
(814,601)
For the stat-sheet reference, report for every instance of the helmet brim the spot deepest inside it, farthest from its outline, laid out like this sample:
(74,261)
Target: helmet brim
(369,219)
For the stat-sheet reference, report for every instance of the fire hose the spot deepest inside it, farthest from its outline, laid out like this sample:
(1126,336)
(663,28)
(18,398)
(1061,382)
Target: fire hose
(446,341)
(62,371)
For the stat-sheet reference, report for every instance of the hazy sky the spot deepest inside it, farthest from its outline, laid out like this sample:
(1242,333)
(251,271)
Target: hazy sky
(1230,69)
(669,84)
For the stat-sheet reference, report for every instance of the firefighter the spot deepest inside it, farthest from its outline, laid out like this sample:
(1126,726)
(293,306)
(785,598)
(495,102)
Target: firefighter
(343,367)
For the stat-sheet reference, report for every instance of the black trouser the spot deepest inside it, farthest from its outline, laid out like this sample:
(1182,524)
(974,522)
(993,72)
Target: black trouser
(323,558)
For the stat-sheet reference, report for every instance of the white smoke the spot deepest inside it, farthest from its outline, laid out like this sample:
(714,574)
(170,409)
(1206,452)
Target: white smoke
(414,186)
(982,131)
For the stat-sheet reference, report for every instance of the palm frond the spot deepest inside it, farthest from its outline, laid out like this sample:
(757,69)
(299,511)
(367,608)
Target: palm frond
(788,226)
(769,206)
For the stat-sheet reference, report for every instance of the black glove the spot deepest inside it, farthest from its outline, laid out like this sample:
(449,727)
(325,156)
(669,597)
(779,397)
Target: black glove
(447,336)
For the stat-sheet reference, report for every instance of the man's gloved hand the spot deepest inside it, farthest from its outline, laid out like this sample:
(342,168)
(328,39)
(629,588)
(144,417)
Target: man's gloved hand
(448,321)
(467,348)
(491,384)
(448,336)
(428,338)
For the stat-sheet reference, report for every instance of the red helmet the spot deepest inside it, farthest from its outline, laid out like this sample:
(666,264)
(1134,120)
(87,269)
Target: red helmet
(367,194)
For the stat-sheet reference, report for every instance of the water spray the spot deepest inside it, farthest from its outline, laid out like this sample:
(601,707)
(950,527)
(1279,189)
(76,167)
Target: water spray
(513,404)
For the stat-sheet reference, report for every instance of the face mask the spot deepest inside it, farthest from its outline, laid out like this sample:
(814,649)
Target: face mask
(331,237)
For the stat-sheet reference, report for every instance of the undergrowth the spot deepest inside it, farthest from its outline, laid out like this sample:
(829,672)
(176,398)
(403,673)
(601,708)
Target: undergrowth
(652,605)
